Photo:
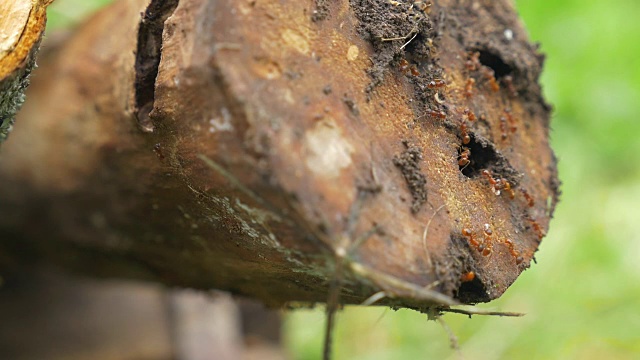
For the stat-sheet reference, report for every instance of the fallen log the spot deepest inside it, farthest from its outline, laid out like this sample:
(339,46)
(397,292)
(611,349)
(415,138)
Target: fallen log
(264,147)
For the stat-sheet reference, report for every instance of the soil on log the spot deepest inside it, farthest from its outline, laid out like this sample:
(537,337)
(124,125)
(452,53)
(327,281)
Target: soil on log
(248,145)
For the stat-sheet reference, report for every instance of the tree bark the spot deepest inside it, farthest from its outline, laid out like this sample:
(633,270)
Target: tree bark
(259,146)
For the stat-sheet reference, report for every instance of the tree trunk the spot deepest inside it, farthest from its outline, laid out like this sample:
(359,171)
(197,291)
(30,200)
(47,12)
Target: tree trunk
(258,146)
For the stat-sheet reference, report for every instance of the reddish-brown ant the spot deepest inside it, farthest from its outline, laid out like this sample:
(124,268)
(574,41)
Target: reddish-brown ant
(481,247)
(468,276)
(499,184)
(537,228)
(473,61)
(490,75)
(470,115)
(464,157)
(464,132)
(486,251)
(513,251)
(437,84)
(512,121)
(527,197)
(509,189)
(468,88)
(487,230)
(405,68)
(469,235)
(436,114)
(508,81)
(487,239)
(492,181)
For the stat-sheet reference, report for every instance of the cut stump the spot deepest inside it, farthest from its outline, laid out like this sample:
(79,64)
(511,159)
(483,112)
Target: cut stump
(22,24)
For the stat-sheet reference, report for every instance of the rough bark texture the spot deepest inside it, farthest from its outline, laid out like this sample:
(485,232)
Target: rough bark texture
(274,137)
(22,24)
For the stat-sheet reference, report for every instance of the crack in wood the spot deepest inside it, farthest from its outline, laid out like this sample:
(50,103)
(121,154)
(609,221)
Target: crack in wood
(148,52)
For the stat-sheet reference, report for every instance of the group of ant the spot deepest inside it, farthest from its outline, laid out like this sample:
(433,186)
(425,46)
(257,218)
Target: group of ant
(500,185)
(485,245)
(472,65)
(507,124)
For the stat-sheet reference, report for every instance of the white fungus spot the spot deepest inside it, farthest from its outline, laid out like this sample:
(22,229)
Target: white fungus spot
(222,123)
(508,34)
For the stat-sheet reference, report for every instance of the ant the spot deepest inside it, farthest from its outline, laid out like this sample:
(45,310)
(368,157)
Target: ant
(473,62)
(470,115)
(527,197)
(507,187)
(436,114)
(464,157)
(405,68)
(487,230)
(487,238)
(481,247)
(466,232)
(499,184)
(512,121)
(468,88)
(464,132)
(468,276)
(437,84)
(513,251)
(490,75)
(508,82)
(537,228)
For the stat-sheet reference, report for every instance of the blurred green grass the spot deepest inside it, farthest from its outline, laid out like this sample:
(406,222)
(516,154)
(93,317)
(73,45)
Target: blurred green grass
(582,299)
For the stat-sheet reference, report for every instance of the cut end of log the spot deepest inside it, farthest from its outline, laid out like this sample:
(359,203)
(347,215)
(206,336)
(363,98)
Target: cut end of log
(22,25)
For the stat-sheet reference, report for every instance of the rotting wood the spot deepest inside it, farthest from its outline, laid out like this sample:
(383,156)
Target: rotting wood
(248,180)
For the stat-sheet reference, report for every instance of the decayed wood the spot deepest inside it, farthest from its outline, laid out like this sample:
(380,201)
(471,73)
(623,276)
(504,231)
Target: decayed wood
(280,141)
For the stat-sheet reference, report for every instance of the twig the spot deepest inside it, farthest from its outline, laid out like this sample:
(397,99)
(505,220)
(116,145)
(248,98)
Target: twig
(342,251)
(374,298)
(410,40)
(413,30)
(387,281)
(476,311)
(426,231)
(232,179)
(453,339)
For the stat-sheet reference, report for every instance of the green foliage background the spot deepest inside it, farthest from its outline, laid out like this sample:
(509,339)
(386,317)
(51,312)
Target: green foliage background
(582,299)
